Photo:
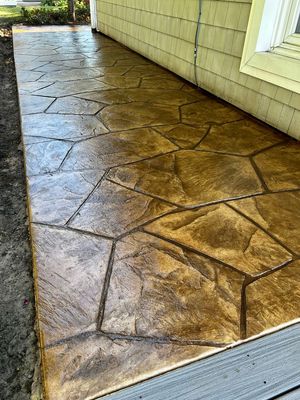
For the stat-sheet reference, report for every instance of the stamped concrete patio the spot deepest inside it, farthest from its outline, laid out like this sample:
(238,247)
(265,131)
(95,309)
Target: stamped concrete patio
(165,224)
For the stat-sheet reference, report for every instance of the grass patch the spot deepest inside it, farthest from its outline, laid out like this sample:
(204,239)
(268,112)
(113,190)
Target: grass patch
(10,15)
(51,12)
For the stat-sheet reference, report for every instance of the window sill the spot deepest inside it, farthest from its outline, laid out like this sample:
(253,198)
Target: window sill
(289,48)
(287,51)
(280,70)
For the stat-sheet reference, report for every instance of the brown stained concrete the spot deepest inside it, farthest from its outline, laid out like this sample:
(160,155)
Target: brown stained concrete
(223,234)
(249,136)
(62,127)
(189,178)
(165,223)
(56,197)
(72,105)
(167,291)
(112,210)
(266,296)
(69,283)
(85,367)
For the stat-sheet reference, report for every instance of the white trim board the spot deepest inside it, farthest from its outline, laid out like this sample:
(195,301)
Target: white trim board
(269,26)
(293,395)
(262,369)
(93,13)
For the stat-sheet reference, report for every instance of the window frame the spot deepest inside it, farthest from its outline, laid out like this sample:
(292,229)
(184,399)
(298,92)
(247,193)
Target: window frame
(271,23)
(93,14)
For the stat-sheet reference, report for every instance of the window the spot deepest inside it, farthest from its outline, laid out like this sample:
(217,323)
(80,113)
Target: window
(298,25)
(272,44)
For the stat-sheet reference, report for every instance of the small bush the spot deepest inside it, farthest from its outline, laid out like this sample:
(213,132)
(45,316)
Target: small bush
(50,3)
(44,16)
(55,12)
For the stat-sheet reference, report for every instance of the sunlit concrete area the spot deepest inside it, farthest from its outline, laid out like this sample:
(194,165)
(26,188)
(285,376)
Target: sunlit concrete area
(165,222)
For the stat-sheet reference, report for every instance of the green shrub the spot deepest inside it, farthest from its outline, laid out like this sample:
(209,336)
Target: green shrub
(55,12)
(50,3)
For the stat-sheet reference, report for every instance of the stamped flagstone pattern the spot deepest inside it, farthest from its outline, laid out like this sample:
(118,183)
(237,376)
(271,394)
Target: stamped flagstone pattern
(54,66)
(73,105)
(115,81)
(69,127)
(191,178)
(241,138)
(113,210)
(136,115)
(30,87)
(133,61)
(184,136)
(117,148)
(114,70)
(56,197)
(275,212)
(29,76)
(45,157)
(71,75)
(158,82)
(71,272)
(274,299)
(73,368)
(60,57)
(165,223)
(209,111)
(34,104)
(280,166)
(221,233)
(147,70)
(65,88)
(154,96)
(158,289)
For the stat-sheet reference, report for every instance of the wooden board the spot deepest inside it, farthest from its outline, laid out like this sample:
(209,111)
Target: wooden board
(262,369)
(294,395)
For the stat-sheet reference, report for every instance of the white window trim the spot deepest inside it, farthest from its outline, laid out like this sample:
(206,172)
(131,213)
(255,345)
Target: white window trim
(286,20)
(93,12)
(270,24)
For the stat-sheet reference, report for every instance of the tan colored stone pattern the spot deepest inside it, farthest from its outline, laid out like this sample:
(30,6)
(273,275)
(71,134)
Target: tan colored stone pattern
(117,148)
(56,197)
(191,178)
(275,213)
(158,289)
(165,224)
(70,278)
(184,136)
(113,210)
(240,138)
(137,115)
(279,166)
(73,369)
(222,233)
(274,300)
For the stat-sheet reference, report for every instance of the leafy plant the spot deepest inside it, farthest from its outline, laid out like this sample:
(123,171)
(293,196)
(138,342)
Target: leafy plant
(50,3)
(57,14)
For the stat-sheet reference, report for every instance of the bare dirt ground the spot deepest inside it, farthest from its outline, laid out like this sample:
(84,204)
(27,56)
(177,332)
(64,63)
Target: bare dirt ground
(17,336)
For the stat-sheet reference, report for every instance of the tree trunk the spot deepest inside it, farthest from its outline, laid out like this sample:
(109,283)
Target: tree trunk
(71,4)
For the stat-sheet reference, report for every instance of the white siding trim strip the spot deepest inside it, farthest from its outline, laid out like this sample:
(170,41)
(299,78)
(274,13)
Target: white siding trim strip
(261,369)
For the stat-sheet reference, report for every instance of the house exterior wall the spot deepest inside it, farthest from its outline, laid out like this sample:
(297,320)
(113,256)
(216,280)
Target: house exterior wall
(164,31)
